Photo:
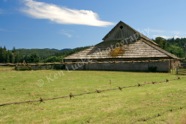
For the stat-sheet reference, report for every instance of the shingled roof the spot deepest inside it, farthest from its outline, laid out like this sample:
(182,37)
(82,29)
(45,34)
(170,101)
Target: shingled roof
(142,47)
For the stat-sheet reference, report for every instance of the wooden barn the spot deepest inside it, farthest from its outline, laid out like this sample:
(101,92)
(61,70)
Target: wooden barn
(123,49)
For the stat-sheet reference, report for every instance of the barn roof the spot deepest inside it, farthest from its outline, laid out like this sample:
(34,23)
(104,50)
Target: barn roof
(115,45)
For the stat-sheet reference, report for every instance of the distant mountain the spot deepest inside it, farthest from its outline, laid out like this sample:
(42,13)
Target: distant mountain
(65,50)
(46,52)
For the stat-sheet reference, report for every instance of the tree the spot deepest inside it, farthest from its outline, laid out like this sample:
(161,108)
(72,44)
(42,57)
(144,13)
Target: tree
(34,58)
(4,55)
(174,46)
(8,54)
(176,50)
(1,54)
(53,59)
(161,42)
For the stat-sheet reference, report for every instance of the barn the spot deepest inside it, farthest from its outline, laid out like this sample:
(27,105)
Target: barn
(123,49)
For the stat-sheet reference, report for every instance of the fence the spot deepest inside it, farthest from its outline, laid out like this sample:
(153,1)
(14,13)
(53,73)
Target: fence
(182,70)
(91,92)
(144,119)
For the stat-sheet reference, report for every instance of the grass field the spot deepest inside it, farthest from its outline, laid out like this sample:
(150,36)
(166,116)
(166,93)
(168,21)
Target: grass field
(132,105)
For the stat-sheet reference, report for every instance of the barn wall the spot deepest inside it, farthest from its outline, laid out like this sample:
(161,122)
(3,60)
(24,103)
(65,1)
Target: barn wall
(138,66)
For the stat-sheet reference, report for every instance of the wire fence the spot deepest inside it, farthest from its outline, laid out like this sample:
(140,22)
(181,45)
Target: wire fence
(91,92)
(144,119)
(181,70)
(160,114)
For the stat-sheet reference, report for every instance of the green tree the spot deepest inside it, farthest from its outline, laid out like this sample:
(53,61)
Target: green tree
(34,58)
(53,59)
(161,42)
(176,50)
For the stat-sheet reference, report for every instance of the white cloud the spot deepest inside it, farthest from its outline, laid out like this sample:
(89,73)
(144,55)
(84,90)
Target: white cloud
(179,36)
(153,33)
(62,15)
(169,36)
(163,36)
(66,33)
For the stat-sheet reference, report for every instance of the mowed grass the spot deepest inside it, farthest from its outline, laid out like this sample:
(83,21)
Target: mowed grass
(131,105)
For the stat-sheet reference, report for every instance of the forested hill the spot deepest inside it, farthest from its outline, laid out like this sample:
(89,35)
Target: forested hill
(35,55)
(43,53)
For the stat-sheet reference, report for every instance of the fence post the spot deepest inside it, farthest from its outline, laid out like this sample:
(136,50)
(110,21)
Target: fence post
(177,70)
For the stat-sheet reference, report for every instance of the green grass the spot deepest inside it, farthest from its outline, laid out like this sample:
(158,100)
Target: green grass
(126,106)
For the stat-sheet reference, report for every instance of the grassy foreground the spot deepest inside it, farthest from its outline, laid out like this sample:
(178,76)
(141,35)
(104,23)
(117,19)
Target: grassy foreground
(132,105)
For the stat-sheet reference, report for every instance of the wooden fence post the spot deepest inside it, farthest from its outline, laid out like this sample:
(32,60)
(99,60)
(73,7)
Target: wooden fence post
(177,70)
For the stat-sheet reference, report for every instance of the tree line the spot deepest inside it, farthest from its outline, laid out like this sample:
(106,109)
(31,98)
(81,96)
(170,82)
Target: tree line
(35,55)
(175,46)
(7,56)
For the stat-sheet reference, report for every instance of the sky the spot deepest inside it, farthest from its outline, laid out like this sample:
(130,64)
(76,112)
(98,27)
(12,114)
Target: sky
(63,24)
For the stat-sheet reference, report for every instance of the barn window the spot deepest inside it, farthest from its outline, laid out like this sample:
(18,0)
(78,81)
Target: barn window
(121,27)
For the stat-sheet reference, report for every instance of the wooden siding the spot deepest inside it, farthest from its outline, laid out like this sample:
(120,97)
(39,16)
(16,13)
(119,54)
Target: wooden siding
(135,66)
(120,33)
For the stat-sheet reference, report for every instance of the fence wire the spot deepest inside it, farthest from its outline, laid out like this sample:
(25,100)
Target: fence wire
(145,119)
(90,92)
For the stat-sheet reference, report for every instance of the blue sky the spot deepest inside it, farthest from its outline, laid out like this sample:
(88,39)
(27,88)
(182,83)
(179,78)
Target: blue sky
(73,23)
